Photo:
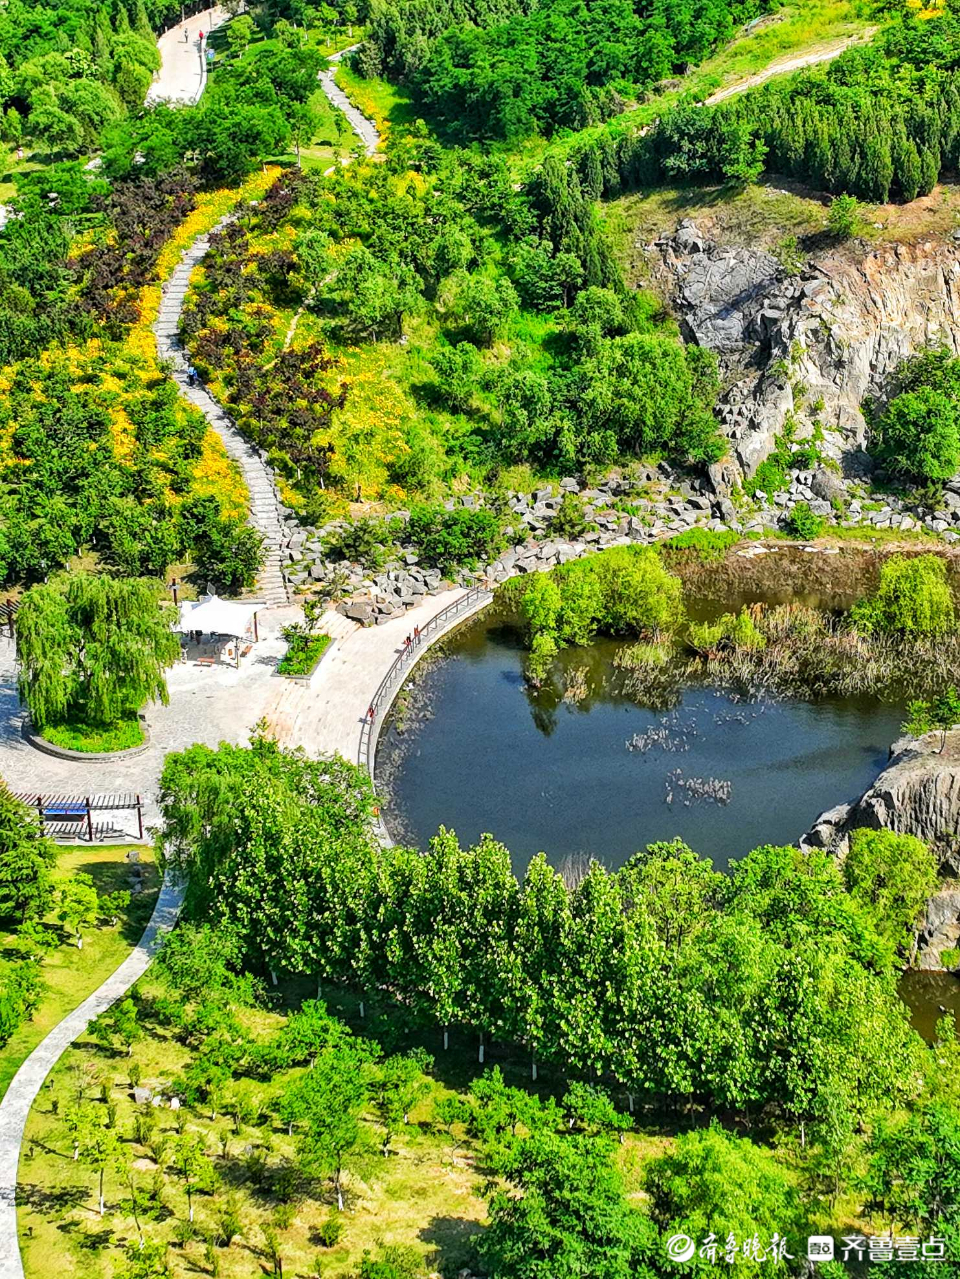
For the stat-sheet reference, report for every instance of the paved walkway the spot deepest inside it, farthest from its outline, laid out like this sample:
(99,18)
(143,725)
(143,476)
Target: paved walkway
(207,704)
(365,129)
(264,500)
(325,715)
(28,1080)
(183,67)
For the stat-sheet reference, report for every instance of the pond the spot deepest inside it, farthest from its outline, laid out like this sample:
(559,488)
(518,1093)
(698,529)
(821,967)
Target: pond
(581,769)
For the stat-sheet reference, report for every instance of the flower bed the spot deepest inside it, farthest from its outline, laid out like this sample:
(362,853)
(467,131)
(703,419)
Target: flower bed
(303,654)
(95,739)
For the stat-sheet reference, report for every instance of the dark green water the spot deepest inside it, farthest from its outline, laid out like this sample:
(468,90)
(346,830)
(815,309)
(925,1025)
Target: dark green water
(482,752)
(544,772)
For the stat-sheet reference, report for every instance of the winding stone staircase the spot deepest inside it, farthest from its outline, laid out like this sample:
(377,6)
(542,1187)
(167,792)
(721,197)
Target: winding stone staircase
(265,512)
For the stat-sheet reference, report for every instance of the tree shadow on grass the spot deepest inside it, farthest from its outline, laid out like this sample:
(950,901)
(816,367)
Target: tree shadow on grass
(51,1201)
(454,1240)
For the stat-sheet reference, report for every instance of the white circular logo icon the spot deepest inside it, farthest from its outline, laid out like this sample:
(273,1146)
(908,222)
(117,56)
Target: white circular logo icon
(680,1247)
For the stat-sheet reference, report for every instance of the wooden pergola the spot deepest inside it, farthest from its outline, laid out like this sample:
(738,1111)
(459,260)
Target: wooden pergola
(75,811)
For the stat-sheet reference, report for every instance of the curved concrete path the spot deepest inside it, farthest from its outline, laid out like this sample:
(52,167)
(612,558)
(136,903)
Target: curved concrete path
(264,501)
(29,1079)
(183,65)
(365,129)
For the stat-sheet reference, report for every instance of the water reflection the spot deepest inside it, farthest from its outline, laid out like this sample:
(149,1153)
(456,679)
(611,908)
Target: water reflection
(559,768)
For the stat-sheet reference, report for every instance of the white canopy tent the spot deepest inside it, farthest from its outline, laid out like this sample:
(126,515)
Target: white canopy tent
(215,616)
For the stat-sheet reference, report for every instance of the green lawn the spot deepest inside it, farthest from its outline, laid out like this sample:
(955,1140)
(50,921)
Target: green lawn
(71,974)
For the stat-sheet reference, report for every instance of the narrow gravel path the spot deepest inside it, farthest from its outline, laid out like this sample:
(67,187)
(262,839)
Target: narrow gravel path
(29,1079)
(783,66)
(365,129)
(264,501)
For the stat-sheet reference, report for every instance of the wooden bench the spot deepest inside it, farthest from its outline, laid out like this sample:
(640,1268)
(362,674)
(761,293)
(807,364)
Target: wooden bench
(206,661)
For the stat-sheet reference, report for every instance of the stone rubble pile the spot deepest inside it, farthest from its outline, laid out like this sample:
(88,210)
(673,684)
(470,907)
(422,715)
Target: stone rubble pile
(649,507)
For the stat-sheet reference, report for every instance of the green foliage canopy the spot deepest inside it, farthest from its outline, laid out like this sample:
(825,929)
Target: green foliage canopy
(93,648)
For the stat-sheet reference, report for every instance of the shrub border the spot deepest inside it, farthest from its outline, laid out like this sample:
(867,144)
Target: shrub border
(33,738)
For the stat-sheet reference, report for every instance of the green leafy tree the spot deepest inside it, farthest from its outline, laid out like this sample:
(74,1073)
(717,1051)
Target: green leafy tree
(914,1169)
(803,523)
(92,648)
(21,988)
(938,715)
(26,858)
(715,1183)
(564,1212)
(330,1099)
(77,904)
(146,1262)
(397,1087)
(918,435)
(892,876)
(541,605)
(100,1148)
(451,539)
(195,1167)
(458,370)
(119,1023)
(485,306)
(591,1110)
(240,32)
(843,216)
(913,598)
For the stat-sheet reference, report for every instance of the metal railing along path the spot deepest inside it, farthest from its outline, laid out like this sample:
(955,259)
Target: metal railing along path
(476,598)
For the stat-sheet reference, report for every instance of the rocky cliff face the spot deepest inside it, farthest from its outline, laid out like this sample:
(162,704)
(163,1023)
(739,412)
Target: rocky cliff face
(917,794)
(813,345)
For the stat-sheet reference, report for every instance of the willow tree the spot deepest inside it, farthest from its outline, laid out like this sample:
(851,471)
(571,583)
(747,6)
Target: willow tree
(93,649)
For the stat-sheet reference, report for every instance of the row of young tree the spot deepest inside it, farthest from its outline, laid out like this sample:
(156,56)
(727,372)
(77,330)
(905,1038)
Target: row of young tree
(316,1110)
(627,975)
(881,122)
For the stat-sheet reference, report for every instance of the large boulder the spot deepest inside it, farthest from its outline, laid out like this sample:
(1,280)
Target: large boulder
(918,793)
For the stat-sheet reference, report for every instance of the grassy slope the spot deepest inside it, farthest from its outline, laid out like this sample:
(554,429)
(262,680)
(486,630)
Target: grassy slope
(71,974)
(806,26)
(388,105)
(425,1194)
(428,1194)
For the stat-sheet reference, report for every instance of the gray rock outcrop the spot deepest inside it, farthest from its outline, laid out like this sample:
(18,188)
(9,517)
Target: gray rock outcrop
(940,930)
(813,346)
(918,793)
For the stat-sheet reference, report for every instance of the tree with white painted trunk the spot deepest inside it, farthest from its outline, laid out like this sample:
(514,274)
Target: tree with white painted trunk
(100,1149)
(330,1100)
(77,905)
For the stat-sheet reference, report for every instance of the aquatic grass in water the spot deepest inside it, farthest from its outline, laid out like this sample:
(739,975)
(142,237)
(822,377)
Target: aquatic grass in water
(812,655)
